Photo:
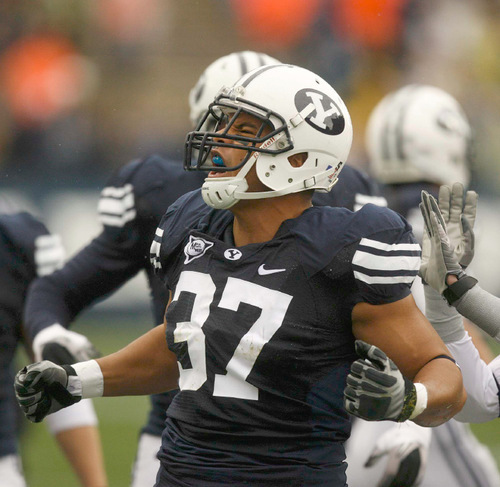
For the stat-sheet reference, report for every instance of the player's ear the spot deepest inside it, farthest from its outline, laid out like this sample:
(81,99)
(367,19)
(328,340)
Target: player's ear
(296,160)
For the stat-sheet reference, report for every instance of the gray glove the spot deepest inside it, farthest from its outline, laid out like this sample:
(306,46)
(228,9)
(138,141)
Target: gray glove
(459,217)
(44,388)
(438,256)
(376,390)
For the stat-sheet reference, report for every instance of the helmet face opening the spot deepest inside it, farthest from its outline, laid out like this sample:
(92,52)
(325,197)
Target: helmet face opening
(201,141)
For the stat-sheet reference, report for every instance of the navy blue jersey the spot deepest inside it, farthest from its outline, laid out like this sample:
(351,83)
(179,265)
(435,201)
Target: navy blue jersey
(130,209)
(26,250)
(263,337)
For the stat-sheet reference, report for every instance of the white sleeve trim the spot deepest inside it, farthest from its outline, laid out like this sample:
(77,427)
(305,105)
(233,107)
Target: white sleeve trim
(479,381)
(80,414)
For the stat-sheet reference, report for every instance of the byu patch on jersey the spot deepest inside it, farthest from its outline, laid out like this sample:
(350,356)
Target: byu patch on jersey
(196,247)
(232,254)
(326,117)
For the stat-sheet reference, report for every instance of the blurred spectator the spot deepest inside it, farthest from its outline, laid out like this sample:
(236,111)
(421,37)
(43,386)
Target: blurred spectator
(45,80)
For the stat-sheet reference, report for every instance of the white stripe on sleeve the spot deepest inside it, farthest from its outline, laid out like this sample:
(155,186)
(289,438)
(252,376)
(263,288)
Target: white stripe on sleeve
(117,206)
(49,254)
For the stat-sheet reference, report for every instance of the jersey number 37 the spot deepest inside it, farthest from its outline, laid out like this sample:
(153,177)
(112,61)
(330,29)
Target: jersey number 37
(273,305)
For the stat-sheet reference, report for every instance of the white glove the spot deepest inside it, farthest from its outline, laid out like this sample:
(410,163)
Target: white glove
(459,218)
(406,446)
(438,256)
(62,346)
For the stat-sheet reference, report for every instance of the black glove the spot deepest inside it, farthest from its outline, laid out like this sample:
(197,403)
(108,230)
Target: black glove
(44,388)
(376,390)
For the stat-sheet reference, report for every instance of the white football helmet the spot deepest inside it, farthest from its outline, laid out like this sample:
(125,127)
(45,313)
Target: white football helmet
(223,72)
(306,115)
(419,133)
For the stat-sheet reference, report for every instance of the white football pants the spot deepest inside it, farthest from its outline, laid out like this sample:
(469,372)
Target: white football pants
(146,464)
(10,471)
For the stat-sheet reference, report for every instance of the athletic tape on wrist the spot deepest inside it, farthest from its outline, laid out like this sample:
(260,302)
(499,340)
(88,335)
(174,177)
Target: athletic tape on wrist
(421,404)
(92,379)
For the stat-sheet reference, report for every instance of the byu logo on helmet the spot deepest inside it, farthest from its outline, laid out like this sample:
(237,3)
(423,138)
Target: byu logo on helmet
(326,117)
(195,248)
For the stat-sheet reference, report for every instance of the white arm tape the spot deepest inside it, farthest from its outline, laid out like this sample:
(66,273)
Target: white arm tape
(80,414)
(421,404)
(479,381)
(90,374)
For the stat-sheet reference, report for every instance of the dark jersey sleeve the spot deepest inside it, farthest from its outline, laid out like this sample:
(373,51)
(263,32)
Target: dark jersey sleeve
(108,261)
(386,262)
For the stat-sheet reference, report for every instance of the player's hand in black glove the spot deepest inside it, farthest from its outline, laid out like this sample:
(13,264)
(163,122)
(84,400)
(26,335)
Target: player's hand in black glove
(376,390)
(44,388)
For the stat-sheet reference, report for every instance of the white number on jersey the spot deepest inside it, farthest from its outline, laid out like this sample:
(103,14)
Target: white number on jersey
(274,305)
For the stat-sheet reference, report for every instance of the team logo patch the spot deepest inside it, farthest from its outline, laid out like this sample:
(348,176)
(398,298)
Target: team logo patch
(326,117)
(232,254)
(196,247)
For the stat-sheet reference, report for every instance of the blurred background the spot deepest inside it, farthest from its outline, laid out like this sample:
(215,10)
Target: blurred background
(86,86)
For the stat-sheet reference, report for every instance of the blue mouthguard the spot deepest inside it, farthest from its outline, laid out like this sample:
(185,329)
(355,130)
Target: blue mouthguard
(217,160)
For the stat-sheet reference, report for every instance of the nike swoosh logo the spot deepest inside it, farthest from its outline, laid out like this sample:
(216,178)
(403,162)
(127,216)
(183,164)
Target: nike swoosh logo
(264,272)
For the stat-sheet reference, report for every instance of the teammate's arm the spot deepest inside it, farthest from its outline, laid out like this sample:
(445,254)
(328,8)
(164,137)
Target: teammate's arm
(406,337)
(448,236)
(97,270)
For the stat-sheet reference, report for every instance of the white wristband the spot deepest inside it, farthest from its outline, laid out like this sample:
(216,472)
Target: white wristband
(90,374)
(421,404)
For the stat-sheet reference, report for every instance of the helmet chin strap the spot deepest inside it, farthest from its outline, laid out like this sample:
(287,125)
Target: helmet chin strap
(220,193)
(224,192)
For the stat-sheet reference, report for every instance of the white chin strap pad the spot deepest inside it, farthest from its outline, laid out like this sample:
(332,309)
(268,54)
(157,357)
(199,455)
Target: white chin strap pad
(219,193)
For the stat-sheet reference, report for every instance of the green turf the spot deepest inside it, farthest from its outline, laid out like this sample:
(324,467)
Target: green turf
(121,418)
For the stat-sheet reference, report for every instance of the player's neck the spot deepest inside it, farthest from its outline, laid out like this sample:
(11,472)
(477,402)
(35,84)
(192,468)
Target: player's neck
(257,221)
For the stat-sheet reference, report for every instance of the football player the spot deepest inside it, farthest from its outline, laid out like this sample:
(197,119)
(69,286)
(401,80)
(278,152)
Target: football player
(266,301)
(130,209)
(28,250)
(418,138)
